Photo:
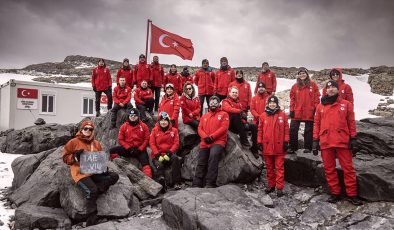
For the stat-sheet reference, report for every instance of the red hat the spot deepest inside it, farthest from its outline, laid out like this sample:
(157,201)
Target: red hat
(85,123)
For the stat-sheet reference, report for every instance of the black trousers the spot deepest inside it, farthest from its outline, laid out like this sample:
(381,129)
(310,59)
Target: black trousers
(142,156)
(109,96)
(208,166)
(236,126)
(156,91)
(170,170)
(253,129)
(96,184)
(194,124)
(115,110)
(148,106)
(202,98)
(308,134)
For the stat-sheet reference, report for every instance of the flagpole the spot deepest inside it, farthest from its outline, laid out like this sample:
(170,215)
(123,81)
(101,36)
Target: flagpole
(147,40)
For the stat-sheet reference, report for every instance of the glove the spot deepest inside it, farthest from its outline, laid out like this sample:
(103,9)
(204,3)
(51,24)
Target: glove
(291,115)
(244,116)
(172,122)
(315,147)
(208,140)
(353,145)
(166,157)
(285,146)
(94,89)
(77,155)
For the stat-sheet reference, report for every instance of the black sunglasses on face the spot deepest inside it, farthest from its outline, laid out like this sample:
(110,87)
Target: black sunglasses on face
(90,129)
(188,88)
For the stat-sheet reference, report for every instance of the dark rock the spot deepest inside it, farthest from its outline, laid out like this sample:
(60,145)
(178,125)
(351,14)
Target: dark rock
(40,121)
(188,139)
(32,216)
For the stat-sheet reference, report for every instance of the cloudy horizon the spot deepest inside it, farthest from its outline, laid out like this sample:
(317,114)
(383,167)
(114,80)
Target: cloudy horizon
(314,34)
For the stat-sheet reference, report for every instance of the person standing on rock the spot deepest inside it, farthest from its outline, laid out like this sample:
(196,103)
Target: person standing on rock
(223,77)
(142,72)
(244,91)
(190,105)
(174,78)
(133,138)
(102,83)
(345,91)
(273,136)
(204,78)
(334,133)
(268,77)
(91,184)
(170,104)
(164,142)
(304,97)
(157,72)
(144,101)
(212,129)
(127,72)
(122,97)
(257,105)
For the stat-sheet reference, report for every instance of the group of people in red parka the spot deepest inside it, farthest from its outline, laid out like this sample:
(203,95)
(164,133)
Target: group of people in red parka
(329,120)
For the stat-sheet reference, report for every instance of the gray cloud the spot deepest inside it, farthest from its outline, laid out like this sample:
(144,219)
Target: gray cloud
(315,34)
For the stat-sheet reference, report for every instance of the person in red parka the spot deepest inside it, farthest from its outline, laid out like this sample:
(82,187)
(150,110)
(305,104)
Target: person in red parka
(164,142)
(257,105)
(127,72)
(185,77)
(204,78)
(102,83)
(273,136)
(157,72)
(244,91)
(121,96)
(223,77)
(213,132)
(345,91)
(170,104)
(334,133)
(133,138)
(144,101)
(190,105)
(268,77)
(174,78)
(304,97)
(142,72)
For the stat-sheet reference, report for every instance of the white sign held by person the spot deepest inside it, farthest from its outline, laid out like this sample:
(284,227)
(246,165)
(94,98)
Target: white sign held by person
(93,162)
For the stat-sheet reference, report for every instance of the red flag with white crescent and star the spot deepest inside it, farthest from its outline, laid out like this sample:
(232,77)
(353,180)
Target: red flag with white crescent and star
(27,93)
(164,42)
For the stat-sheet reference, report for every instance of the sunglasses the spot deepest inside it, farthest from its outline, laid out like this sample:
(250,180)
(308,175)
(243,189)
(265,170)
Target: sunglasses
(213,103)
(88,129)
(335,74)
(189,88)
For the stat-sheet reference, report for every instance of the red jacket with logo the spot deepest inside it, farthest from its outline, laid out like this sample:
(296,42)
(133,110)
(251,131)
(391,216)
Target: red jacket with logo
(121,95)
(134,136)
(273,131)
(161,142)
(204,81)
(190,106)
(345,91)
(223,80)
(142,72)
(303,101)
(269,80)
(157,72)
(101,78)
(174,79)
(142,94)
(170,106)
(334,124)
(128,74)
(230,105)
(214,124)
(244,93)
(257,105)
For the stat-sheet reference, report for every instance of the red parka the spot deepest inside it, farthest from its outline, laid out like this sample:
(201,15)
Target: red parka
(269,80)
(174,79)
(121,95)
(244,93)
(170,106)
(230,105)
(303,101)
(223,80)
(101,78)
(204,81)
(142,72)
(273,131)
(214,124)
(134,136)
(128,74)
(334,124)
(183,80)
(157,72)
(257,105)
(345,91)
(190,106)
(161,142)
(142,94)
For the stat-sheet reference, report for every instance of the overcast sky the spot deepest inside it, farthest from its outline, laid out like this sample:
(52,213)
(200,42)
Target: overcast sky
(310,33)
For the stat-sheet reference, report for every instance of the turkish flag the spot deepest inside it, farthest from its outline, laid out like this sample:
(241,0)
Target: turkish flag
(164,42)
(103,99)
(27,93)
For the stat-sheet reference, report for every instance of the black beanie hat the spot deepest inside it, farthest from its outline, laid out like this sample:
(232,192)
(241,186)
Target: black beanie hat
(332,83)
(126,59)
(142,56)
(260,84)
(302,69)
(273,99)
(134,111)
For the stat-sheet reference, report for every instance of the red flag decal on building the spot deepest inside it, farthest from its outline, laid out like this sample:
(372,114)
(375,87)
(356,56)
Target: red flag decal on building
(103,99)
(27,93)
(164,42)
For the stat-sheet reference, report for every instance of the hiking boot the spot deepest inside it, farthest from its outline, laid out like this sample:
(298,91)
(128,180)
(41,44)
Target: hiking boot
(279,193)
(334,199)
(307,150)
(354,200)
(269,190)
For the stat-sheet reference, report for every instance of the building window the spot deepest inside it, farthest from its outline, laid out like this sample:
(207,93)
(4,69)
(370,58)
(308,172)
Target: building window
(87,106)
(48,103)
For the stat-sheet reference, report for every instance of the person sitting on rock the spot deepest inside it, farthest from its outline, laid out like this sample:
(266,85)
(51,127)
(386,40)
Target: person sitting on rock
(345,91)
(223,77)
(185,77)
(273,136)
(164,142)
(257,105)
(213,132)
(174,78)
(144,101)
(102,83)
(190,105)
(121,96)
(91,184)
(244,91)
(170,104)
(133,138)
(127,72)
(334,132)
(238,120)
